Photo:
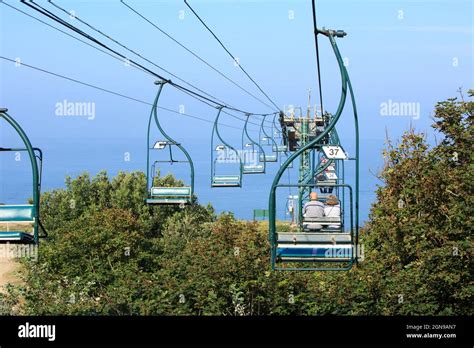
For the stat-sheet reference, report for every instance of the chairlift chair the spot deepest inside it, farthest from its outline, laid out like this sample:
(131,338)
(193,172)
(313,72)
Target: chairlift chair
(21,223)
(257,166)
(226,155)
(163,195)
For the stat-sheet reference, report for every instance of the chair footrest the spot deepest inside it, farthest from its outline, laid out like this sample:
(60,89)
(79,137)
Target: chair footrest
(320,251)
(308,237)
(226,181)
(170,195)
(16,236)
(222,184)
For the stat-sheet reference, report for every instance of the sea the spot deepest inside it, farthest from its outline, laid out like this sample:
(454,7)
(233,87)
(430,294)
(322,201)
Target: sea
(62,159)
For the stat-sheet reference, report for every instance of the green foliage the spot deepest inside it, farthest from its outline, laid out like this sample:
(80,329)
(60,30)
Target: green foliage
(102,253)
(110,254)
(425,245)
(88,269)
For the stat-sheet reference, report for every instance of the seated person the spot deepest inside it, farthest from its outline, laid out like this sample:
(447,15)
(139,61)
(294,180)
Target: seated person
(313,209)
(332,208)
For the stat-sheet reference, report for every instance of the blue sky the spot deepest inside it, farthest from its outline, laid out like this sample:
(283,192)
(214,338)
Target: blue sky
(408,59)
(402,51)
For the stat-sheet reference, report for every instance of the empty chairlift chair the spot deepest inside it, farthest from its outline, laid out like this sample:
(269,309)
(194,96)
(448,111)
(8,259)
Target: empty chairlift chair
(252,163)
(268,157)
(21,223)
(278,138)
(224,155)
(267,143)
(163,195)
(168,195)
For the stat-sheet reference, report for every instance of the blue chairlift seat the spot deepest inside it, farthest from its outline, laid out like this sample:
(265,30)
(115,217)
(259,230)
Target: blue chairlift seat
(280,148)
(313,237)
(170,195)
(268,158)
(253,169)
(18,215)
(314,252)
(316,242)
(226,181)
(323,224)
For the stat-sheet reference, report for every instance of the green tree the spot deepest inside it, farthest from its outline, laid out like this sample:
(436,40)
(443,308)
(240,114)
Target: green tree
(418,238)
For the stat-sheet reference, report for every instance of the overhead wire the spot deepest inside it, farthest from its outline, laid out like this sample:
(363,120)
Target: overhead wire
(57,19)
(231,55)
(184,90)
(72,36)
(105,52)
(316,32)
(115,57)
(135,52)
(110,91)
(192,52)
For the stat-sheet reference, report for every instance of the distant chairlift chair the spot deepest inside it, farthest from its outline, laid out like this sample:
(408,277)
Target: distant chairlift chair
(161,195)
(224,154)
(269,143)
(253,148)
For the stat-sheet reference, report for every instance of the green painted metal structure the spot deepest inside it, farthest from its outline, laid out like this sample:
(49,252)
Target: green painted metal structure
(28,214)
(166,195)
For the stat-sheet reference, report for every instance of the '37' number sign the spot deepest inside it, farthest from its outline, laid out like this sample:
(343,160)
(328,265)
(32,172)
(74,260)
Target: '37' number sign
(334,152)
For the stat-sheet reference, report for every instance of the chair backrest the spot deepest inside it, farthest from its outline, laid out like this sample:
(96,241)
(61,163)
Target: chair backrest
(253,168)
(17,213)
(170,191)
